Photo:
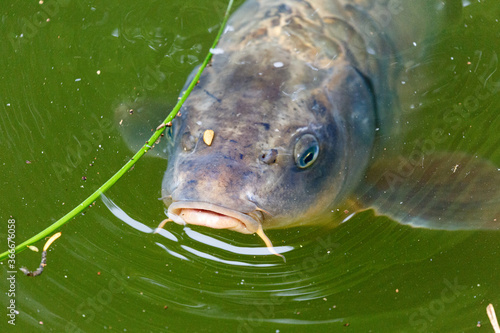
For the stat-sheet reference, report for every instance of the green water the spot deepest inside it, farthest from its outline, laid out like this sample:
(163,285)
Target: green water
(60,84)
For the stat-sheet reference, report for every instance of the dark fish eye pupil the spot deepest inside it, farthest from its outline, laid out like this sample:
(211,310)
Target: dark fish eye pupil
(309,157)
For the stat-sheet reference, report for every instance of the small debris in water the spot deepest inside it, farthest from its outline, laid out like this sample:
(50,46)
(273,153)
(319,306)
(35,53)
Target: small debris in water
(33,248)
(208,137)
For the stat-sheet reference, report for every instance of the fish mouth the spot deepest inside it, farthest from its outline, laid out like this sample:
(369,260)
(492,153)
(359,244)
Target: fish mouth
(214,216)
(218,217)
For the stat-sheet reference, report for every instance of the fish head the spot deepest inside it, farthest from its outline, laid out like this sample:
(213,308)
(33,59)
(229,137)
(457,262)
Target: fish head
(289,141)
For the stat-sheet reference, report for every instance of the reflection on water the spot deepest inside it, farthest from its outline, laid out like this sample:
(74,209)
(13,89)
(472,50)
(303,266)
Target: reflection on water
(212,242)
(321,267)
(231,248)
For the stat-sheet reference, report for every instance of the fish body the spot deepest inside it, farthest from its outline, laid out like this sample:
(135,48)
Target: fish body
(295,99)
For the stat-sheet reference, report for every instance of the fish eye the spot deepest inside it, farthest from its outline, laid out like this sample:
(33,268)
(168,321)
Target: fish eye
(306,151)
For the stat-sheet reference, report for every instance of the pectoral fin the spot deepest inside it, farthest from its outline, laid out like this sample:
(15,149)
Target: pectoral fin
(443,191)
(136,122)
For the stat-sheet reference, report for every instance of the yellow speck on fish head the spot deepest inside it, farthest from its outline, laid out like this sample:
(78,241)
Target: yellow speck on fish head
(208,137)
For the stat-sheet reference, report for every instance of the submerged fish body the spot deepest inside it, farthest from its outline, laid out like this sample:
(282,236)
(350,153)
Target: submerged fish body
(296,95)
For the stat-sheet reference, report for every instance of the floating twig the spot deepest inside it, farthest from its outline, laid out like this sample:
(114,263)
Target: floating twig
(490,310)
(43,263)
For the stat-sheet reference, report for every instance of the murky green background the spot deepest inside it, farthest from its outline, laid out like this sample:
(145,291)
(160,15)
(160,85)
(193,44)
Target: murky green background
(59,86)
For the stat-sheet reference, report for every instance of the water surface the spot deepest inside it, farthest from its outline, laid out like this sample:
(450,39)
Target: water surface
(60,84)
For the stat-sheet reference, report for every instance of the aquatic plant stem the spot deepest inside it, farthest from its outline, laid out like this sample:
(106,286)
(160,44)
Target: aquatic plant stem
(87,202)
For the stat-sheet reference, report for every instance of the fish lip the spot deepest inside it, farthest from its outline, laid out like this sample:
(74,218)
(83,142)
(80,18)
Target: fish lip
(242,222)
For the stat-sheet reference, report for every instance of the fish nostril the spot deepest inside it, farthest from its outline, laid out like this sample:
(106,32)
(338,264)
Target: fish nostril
(269,156)
(188,141)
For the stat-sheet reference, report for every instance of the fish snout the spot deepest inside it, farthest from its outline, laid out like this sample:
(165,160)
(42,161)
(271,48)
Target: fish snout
(221,178)
(213,191)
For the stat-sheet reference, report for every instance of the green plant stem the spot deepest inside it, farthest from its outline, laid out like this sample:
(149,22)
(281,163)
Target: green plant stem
(94,196)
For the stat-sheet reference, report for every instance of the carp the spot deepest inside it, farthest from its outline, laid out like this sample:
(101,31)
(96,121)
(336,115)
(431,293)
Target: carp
(287,123)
